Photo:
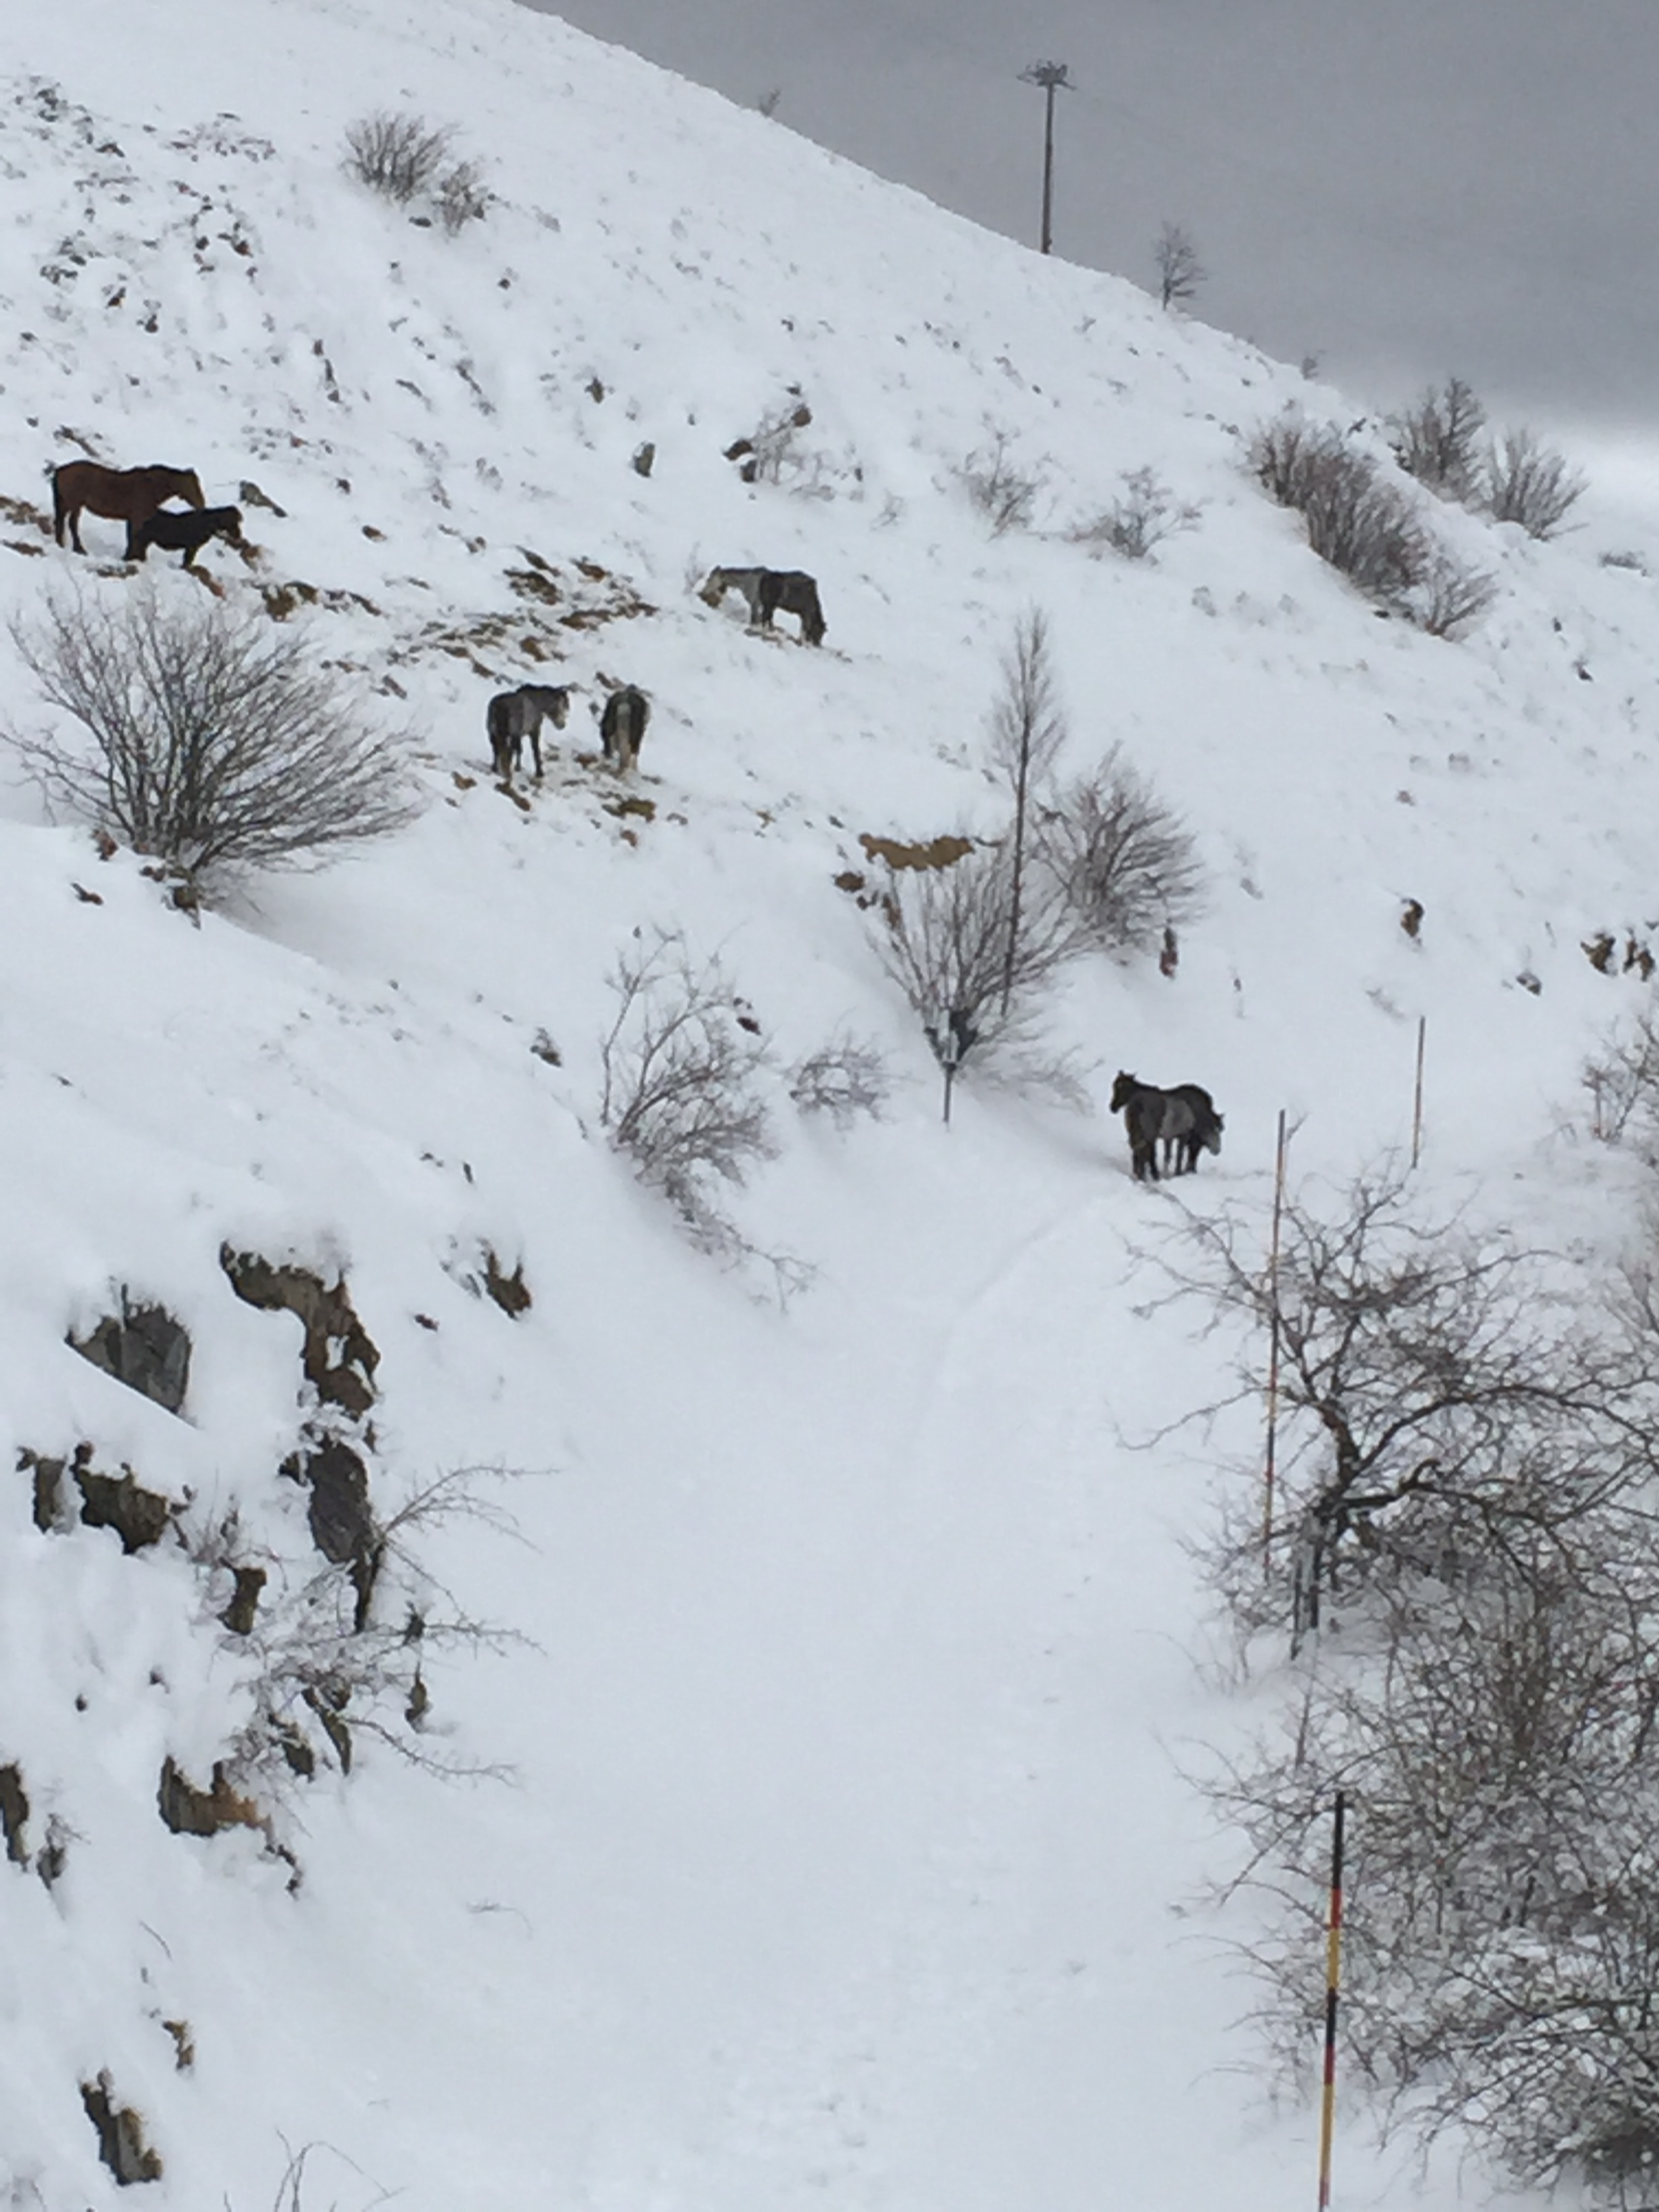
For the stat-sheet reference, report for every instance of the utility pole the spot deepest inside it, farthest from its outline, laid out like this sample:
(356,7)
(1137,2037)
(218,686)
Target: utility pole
(1052,77)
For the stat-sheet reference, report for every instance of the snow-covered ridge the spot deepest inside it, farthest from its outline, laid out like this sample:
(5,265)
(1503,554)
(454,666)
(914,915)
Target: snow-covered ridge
(840,1855)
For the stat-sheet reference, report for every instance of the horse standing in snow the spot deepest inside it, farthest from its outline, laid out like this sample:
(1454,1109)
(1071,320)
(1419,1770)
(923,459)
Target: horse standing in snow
(621,727)
(187,533)
(1183,1120)
(513,716)
(767,590)
(129,495)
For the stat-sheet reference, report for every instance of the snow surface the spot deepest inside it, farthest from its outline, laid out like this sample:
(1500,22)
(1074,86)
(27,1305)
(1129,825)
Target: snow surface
(845,1857)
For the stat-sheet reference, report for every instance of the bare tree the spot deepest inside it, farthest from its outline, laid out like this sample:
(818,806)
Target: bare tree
(207,738)
(398,155)
(1530,483)
(682,1091)
(945,940)
(1027,731)
(1125,862)
(1180,271)
(1437,440)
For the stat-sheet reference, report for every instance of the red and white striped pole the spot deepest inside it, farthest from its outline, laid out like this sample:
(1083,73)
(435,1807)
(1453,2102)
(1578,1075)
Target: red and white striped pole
(1333,1985)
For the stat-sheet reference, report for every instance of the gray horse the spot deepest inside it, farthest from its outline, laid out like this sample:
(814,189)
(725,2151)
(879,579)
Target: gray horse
(768,591)
(513,716)
(1183,1120)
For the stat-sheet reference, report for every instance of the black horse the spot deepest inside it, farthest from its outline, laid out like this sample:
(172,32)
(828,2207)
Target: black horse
(186,533)
(513,716)
(621,727)
(1183,1120)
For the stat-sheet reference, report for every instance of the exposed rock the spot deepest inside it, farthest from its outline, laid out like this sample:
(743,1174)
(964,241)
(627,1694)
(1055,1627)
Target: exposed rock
(342,1524)
(340,1357)
(121,2143)
(510,1292)
(139,1516)
(189,1811)
(936,852)
(14,1814)
(239,1615)
(143,1347)
(48,1488)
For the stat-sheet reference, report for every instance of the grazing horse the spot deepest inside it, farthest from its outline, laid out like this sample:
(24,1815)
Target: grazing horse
(513,716)
(129,495)
(1184,1119)
(797,594)
(621,727)
(766,591)
(186,533)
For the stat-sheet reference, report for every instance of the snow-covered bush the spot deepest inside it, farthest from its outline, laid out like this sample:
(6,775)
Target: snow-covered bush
(461,196)
(203,737)
(1125,862)
(1001,489)
(683,1093)
(398,155)
(843,1079)
(1139,520)
(1529,483)
(1356,519)
(1450,595)
(1466,1469)
(1437,440)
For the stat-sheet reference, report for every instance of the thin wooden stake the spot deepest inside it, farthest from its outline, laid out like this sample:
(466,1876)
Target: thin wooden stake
(1417,1097)
(1270,1472)
(1332,1986)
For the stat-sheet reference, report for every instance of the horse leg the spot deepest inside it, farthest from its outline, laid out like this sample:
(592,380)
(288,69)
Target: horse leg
(536,745)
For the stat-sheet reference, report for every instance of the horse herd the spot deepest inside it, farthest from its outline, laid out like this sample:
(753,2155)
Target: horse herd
(1182,1121)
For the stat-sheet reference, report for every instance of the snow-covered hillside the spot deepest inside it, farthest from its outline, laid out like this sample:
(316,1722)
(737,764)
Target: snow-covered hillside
(840,1850)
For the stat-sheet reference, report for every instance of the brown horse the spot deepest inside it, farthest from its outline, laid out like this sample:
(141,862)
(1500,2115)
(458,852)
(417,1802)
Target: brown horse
(129,495)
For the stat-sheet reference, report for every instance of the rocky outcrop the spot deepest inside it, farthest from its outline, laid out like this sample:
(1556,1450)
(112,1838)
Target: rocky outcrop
(144,1346)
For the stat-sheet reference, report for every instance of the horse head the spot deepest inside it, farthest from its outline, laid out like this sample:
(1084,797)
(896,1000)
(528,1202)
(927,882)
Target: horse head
(1123,1090)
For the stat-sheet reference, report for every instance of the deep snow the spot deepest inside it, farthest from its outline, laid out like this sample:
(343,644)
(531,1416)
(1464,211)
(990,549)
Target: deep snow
(847,1855)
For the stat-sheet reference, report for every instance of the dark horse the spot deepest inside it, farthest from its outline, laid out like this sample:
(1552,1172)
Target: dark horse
(621,727)
(513,716)
(1184,1119)
(129,495)
(187,533)
(766,591)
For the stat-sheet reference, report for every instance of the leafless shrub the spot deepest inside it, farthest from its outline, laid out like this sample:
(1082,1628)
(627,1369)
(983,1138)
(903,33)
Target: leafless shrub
(682,1092)
(844,1079)
(1450,595)
(1145,513)
(1627,557)
(766,102)
(207,740)
(1356,520)
(944,935)
(771,452)
(1002,491)
(1180,271)
(1124,860)
(398,155)
(1530,483)
(1624,1087)
(1028,729)
(1437,440)
(461,196)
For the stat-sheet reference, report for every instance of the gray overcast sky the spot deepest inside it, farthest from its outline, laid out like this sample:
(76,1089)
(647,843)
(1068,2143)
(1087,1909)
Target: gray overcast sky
(1407,188)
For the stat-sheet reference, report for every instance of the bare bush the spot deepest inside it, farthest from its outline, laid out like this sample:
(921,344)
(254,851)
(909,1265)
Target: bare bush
(461,196)
(1180,271)
(1356,520)
(1468,1480)
(1125,862)
(682,1092)
(1450,595)
(944,938)
(1145,513)
(1027,731)
(771,451)
(398,155)
(1001,491)
(1624,1086)
(1530,483)
(206,738)
(1437,440)
(842,1079)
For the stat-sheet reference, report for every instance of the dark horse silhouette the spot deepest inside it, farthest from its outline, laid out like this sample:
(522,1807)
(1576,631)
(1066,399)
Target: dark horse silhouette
(186,533)
(766,591)
(129,495)
(1184,1119)
(513,716)
(621,727)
